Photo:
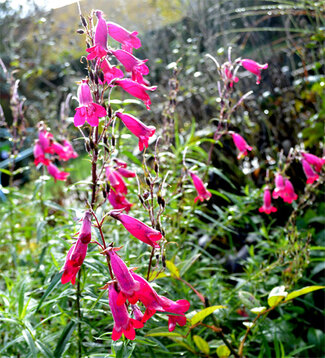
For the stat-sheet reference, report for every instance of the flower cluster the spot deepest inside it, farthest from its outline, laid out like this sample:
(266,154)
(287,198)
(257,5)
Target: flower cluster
(46,150)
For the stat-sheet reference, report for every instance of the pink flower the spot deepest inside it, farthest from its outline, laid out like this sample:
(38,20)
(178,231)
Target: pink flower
(126,282)
(45,140)
(77,253)
(284,189)
(309,172)
(314,160)
(128,39)
(123,324)
(69,149)
(136,89)
(126,173)
(138,128)
(56,173)
(100,49)
(88,110)
(118,201)
(138,229)
(132,64)
(229,76)
(254,68)
(267,207)
(241,145)
(39,155)
(116,181)
(110,72)
(203,193)
(138,315)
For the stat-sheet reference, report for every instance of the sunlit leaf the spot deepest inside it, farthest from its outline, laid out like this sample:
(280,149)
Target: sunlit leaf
(276,295)
(198,317)
(202,344)
(303,291)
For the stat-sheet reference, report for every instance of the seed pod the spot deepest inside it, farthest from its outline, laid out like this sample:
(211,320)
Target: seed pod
(108,188)
(148,181)
(113,141)
(146,195)
(163,260)
(141,199)
(156,167)
(96,79)
(101,76)
(80,31)
(91,143)
(109,111)
(91,75)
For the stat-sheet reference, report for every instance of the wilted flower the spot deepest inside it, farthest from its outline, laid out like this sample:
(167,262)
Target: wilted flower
(241,145)
(100,49)
(136,89)
(254,68)
(203,193)
(309,172)
(128,39)
(267,207)
(138,229)
(123,324)
(138,128)
(314,160)
(88,110)
(56,173)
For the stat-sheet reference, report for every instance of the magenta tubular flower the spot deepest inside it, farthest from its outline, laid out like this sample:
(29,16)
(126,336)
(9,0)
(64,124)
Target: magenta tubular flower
(69,149)
(74,260)
(241,145)
(284,189)
(116,181)
(39,155)
(126,173)
(138,315)
(267,207)
(137,90)
(315,161)
(232,79)
(85,230)
(138,229)
(45,140)
(123,323)
(110,72)
(179,307)
(100,49)
(138,128)
(203,193)
(254,68)
(127,284)
(128,39)
(309,172)
(279,186)
(120,163)
(119,201)
(88,111)
(132,64)
(56,173)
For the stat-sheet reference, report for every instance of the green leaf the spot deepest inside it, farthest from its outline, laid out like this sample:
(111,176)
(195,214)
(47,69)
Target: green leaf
(202,344)
(247,299)
(30,342)
(55,281)
(64,339)
(46,352)
(276,295)
(21,298)
(156,332)
(172,268)
(188,263)
(223,351)
(303,291)
(198,317)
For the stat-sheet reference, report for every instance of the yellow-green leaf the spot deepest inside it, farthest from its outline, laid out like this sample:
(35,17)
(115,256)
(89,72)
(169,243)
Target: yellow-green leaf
(202,344)
(258,310)
(198,317)
(276,295)
(303,291)
(172,268)
(163,334)
(223,351)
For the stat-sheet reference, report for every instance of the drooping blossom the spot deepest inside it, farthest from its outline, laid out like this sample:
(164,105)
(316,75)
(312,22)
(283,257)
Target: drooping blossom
(63,152)
(69,149)
(39,155)
(116,181)
(203,193)
(88,111)
(229,75)
(56,173)
(138,229)
(132,64)
(119,201)
(45,139)
(128,39)
(137,313)
(254,68)
(110,72)
(267,207)
(309,172)
(284,189)
(127,284)
(77,253)
(123,324)
(136,89)
(241,145)
(315,161)
(126,173)
(138,128)
(100,49)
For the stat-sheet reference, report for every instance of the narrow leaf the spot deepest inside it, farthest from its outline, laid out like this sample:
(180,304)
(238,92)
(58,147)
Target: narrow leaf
(303,291)
(21,298)
(163,334)
(55,281)
(64,339)
(172,268)
(31,344)
(198,317)
(46,352)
